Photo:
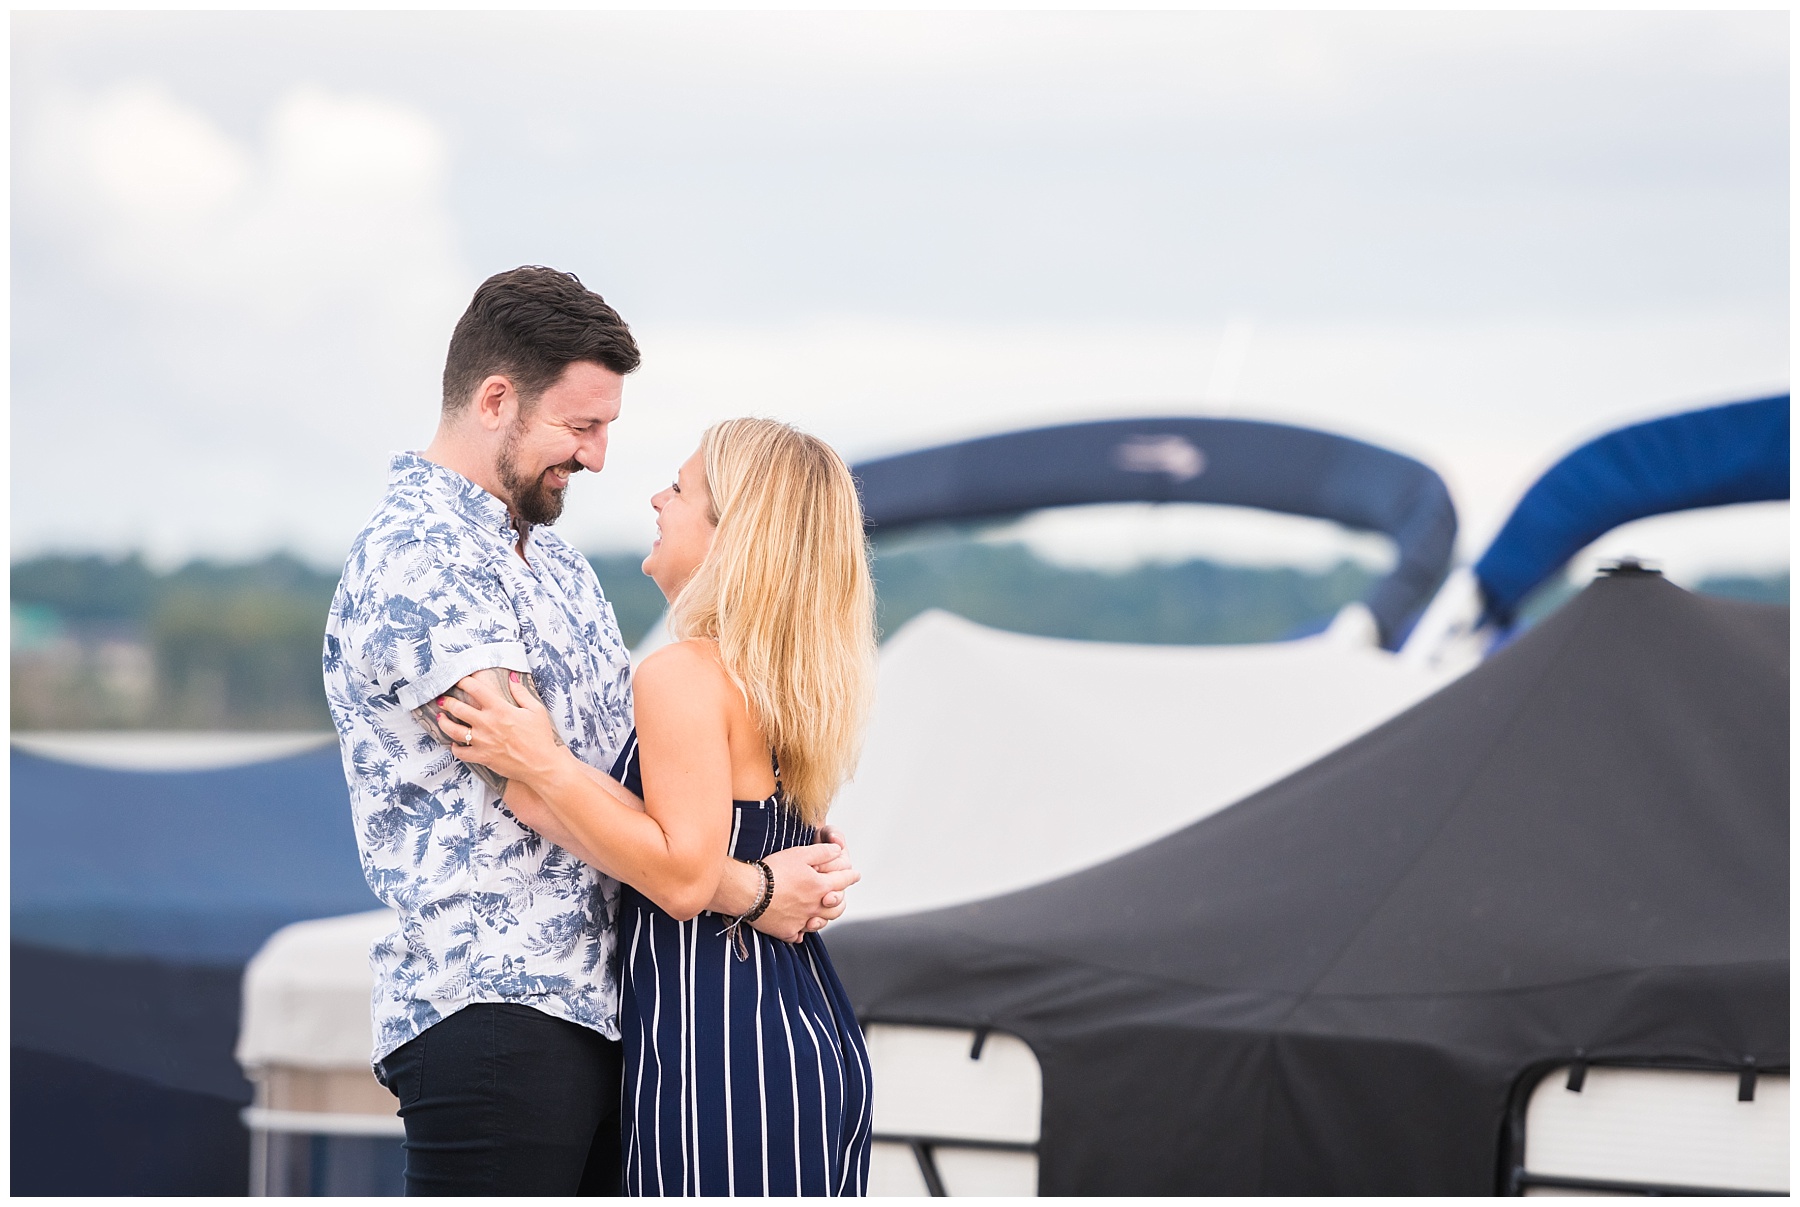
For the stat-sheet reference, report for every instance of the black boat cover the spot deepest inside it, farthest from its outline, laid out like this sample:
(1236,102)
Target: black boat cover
(1577,851)
(1186,459)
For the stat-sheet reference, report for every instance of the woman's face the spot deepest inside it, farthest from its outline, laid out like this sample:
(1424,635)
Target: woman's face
(684,528)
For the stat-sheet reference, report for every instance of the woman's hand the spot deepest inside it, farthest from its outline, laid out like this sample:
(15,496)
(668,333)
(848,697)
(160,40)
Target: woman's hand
(514,738)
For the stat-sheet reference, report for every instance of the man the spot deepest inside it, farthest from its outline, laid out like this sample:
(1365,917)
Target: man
(496,1000)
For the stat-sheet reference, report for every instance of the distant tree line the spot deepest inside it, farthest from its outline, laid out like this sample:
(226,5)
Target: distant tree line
(223,646)
(1193,602)
(110,642)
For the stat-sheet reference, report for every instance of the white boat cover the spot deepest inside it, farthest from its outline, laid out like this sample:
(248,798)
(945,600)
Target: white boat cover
(997,760)
(167,750)
(306,995)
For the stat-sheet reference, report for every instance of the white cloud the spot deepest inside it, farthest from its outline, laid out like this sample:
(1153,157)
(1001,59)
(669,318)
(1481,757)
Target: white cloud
(341,193)
(285,305)
(150,161)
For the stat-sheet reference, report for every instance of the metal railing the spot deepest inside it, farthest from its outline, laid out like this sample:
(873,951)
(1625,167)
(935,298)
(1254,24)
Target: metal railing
(923,1152)
(1522,1179)
(1515,1178)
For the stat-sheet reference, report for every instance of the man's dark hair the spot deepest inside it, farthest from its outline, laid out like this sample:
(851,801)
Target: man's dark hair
(530,324)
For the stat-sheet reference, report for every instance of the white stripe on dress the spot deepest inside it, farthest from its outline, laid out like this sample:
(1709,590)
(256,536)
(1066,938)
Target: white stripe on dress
(825,1129)
(730,1143)
(691,1083)
(637,1096)
(656,1033)
(762,1082)
(794,1090)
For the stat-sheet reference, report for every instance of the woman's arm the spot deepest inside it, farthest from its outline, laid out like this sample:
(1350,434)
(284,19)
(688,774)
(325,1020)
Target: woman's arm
(809,881)
(523,801)
(674,851)
(577,807)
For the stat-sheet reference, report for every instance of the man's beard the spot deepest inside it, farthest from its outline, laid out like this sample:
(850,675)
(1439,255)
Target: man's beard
(532,500)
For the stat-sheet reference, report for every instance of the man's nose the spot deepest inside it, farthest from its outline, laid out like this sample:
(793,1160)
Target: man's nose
(592,452)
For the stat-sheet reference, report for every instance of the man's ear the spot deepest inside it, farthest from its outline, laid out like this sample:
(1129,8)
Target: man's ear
(496,402)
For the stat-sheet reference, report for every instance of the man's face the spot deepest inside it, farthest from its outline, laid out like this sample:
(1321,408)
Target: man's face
(563,433)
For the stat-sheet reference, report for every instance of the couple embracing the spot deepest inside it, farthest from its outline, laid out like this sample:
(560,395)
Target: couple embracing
(607,975)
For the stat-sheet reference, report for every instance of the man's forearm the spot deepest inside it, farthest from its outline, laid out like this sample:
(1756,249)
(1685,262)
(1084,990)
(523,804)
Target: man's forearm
(738,891)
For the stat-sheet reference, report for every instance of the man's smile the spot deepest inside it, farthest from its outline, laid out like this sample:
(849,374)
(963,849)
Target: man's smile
(557,476)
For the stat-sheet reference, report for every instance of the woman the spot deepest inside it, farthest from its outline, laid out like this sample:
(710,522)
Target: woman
(745,1071)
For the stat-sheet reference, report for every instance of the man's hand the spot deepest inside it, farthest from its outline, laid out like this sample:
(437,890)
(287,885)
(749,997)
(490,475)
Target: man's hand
(809,890)
(832,834)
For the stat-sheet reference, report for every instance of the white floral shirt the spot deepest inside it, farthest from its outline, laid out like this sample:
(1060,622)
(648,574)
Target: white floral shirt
(489,912)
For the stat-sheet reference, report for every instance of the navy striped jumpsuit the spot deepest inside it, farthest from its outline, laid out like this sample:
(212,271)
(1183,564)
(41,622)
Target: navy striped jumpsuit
(743,1075)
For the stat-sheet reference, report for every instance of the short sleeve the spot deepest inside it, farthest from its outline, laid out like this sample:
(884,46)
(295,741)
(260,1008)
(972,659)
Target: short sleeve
(430,620)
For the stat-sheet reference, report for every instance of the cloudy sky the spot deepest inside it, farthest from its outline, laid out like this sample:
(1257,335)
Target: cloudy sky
(240,241)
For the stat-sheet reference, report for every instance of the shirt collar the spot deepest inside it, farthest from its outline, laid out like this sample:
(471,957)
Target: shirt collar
(459,495)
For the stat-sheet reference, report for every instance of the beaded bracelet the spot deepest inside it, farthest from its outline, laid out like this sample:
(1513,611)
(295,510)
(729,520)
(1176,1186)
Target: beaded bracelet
(768,892)
(735,928)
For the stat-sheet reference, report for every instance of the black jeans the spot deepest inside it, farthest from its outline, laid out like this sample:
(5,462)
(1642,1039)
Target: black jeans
(503,1099)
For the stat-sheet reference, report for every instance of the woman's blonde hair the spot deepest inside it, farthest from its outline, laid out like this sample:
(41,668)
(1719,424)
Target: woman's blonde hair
(785,591)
